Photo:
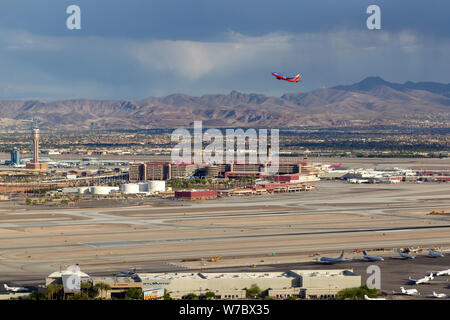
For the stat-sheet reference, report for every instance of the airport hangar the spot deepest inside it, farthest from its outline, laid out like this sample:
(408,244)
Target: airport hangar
(306,284)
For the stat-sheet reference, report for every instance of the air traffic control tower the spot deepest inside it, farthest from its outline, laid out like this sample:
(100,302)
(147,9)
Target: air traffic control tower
(34,164)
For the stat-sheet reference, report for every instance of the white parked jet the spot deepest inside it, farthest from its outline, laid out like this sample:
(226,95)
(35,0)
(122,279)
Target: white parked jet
(439,295)
(371,258)
(409,292)
(327,260)
(367,298)
(15,289)
(128,272)
(423,280)
(434,254)
(405,255)
(443,273)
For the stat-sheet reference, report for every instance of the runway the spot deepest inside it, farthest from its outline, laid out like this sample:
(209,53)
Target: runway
(243,230)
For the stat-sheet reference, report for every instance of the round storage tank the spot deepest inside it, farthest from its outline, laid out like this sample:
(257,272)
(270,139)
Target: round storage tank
(156,186)
(130,188)
(101,190)
(143,187)
(83,190)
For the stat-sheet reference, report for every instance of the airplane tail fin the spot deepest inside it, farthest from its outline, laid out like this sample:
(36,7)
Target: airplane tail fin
(364,252)
(5,286)
(297,77)
(342,255)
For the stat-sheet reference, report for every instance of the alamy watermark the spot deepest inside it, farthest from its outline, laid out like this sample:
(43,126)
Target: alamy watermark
(228,149)
(373,22)
(73,281)
(73,22)
(374,280)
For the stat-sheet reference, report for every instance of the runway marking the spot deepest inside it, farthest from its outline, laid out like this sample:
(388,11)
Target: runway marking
(233,237)
(388,231)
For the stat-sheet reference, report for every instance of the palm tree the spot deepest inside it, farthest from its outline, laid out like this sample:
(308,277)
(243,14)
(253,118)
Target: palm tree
(106,287)
(103,286)
(86,286)
(52,289)
(59,288)
(99,287)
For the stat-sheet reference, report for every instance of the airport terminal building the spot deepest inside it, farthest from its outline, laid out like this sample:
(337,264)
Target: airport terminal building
(305,284)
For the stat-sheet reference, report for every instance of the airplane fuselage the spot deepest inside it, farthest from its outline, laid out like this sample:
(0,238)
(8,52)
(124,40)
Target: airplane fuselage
(371,258)
(280,76)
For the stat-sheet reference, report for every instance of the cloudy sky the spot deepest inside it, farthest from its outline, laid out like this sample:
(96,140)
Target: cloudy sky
(132,49)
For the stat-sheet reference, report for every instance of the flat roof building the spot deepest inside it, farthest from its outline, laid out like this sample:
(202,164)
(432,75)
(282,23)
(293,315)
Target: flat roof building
(195,194)
(119,285)
(310,284)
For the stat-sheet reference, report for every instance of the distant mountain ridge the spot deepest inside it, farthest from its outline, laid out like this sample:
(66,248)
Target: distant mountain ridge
(370,101)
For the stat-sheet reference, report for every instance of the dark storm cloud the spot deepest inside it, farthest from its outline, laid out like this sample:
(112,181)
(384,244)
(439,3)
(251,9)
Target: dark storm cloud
(206,19)
(136,48)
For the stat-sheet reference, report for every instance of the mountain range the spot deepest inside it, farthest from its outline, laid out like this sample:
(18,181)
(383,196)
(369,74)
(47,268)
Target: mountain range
(371,101)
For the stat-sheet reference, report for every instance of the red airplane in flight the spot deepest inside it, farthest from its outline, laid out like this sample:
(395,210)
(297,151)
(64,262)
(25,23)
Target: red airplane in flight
(333,166)
(280,76)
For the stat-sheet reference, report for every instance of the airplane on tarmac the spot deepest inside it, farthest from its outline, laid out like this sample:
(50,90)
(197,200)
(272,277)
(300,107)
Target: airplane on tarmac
(327,260)
(15,289)
(408,292)
(405,255)
(434,254)
(422,280)
(128,272)
(280,76)
(443,273)
(371,258)
(439,295)
(367,298)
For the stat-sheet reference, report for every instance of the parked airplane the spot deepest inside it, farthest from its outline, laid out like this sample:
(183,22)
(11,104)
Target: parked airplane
(367,298)
(443,273)
(280,76)
(405,255)
(15,289)
(434,254)
(422,280)
(408,292)
(439,295)
(371,258)
(128,272)
(327,260)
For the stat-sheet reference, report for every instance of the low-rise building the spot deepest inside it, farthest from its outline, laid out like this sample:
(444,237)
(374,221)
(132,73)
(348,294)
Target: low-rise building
(118,285)
(309,284)
(195,194)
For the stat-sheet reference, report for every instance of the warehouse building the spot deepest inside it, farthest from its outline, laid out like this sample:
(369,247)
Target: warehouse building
(195,194)
(118,285)
(295,178)
(325,284)
(309,284)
